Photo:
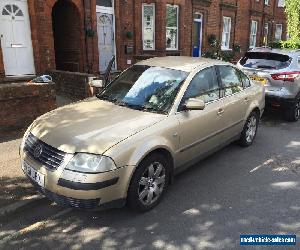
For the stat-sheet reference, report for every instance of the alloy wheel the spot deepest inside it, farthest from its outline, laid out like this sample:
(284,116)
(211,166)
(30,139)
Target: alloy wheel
(152,183)
(251,129)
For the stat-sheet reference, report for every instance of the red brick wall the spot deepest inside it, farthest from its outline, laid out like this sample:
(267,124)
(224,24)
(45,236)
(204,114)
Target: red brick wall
(128,16)
(22,103)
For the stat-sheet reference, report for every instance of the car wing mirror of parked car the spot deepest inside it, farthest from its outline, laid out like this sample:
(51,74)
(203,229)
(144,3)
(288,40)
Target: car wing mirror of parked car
(194,104)
(97,84)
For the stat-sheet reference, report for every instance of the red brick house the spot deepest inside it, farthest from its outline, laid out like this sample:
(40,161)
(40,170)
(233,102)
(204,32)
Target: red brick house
(38,36)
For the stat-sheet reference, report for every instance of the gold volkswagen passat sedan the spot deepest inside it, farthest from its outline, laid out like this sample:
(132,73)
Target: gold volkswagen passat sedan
(125,144)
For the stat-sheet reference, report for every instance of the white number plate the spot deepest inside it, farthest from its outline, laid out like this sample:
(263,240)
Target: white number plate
(33,174)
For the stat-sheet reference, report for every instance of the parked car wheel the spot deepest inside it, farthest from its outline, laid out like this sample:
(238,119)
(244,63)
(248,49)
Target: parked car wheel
(293,114)
(250,129)
(149,182)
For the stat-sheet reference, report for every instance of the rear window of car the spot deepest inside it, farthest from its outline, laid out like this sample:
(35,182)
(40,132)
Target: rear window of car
(265,60)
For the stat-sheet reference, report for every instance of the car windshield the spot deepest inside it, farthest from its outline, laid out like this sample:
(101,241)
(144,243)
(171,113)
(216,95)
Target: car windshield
(145,88)
(265,60)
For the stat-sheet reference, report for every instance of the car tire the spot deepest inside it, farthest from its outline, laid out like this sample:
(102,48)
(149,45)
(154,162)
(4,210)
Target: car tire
(293,114)
(250,129)
(148,183)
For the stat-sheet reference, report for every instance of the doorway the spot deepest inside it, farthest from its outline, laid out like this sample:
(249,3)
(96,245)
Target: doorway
(15,36)
(106,33)
(197,35)
(67,28)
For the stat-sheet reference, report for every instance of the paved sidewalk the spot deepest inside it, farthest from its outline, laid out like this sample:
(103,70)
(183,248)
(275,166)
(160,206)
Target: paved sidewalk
(14,186)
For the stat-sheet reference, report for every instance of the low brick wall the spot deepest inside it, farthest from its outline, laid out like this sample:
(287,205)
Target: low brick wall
(72,84)
(21,103)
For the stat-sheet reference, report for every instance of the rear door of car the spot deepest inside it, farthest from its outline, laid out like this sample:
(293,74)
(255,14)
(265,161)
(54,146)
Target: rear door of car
(200,130)
(235,100)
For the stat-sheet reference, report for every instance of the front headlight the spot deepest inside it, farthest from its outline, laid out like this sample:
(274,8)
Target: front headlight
(89,163)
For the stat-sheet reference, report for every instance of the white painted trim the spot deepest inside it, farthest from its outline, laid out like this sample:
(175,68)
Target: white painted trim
(177,38)
(110,10)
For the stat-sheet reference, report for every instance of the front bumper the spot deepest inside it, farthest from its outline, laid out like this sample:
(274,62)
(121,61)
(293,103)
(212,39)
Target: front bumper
(81,190)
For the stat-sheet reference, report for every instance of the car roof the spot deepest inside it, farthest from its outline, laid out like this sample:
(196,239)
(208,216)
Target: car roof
(289,52)
(183,63)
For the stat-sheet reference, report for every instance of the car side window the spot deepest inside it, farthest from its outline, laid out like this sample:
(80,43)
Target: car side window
(298,61)
(204,86)
(245,79)
(230,80)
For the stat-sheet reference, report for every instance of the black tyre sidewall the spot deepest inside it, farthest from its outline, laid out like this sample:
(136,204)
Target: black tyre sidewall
(132,196)
(290,114)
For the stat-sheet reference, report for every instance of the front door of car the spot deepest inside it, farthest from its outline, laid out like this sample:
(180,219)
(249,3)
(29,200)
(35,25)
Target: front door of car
(235,101)
(200,130)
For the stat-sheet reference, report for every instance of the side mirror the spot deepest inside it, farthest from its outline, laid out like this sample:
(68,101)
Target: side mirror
(194,104)
(97,83)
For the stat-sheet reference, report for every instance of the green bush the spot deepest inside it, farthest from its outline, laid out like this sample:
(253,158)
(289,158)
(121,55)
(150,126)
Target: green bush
(216,52)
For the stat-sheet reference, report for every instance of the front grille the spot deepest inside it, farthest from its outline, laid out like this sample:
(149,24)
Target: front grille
(43,153)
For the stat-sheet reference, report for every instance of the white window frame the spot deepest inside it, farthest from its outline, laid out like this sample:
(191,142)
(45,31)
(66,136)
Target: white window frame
(278,25)
(143,23)
(266,34)
(253,36)
(281,3)
(224,46)
(267,2)
(176,28)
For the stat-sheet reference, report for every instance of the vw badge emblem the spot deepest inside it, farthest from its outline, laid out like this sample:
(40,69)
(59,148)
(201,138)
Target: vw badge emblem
(37,151)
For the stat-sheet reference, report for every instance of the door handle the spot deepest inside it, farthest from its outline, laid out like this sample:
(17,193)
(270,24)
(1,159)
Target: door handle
(220,112)
(246,99)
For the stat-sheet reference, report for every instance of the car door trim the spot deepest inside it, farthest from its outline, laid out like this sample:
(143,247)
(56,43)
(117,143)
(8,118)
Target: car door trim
(209,137)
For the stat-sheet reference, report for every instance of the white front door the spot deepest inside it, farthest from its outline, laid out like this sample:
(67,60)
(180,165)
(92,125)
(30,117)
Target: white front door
(106,40)
(15,37)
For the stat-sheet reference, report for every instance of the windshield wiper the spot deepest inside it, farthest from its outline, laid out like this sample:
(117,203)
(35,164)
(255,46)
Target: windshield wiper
(106,98)
(140,107)
(151,109)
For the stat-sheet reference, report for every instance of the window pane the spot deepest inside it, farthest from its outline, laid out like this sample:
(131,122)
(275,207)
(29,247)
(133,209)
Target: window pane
(226,32)
(230,80)
(148,29)
(171,16)
(245,79)
(261,60)
(19,13)
(172,27)
(278,32)
(203,86)
(105,3)
(171,34)
(5,12)
(8,7)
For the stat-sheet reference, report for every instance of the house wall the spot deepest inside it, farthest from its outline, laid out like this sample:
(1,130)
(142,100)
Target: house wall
(128,15)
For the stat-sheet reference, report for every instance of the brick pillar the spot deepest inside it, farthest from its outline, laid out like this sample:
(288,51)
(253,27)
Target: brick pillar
(160,27)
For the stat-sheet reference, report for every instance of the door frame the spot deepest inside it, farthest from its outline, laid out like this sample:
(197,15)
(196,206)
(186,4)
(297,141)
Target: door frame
(199,20)
(30,45)
(109,10)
